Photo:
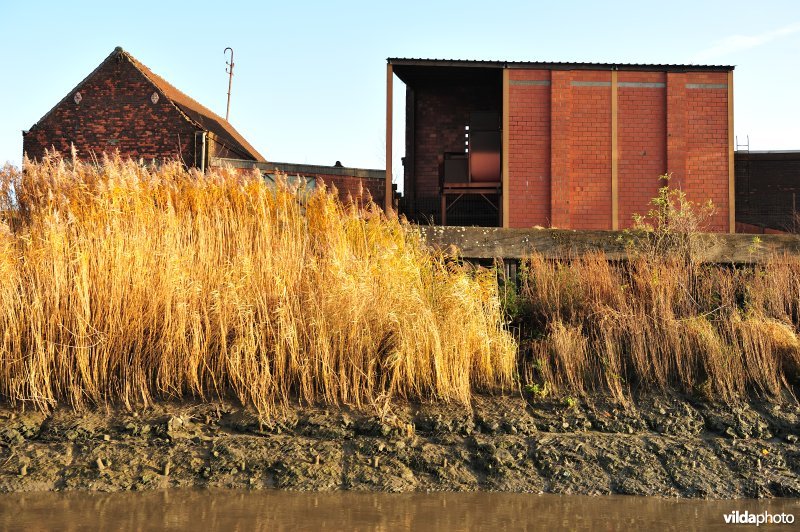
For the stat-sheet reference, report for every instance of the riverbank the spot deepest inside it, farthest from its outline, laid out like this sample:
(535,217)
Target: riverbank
(661,447)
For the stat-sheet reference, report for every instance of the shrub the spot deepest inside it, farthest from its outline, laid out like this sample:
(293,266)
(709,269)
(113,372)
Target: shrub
(669,228)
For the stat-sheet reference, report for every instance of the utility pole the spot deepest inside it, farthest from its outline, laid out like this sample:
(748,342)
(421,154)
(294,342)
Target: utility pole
(229,70)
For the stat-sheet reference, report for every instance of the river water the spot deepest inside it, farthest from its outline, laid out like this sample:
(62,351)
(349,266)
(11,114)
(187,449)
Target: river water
(232,511)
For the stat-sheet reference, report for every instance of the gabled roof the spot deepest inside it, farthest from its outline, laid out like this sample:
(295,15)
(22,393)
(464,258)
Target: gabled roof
(200,116)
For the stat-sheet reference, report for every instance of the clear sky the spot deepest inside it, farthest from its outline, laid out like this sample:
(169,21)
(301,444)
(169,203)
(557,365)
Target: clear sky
(309,84)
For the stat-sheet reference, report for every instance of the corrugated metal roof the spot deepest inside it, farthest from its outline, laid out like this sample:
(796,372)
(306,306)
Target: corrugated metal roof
(555,65)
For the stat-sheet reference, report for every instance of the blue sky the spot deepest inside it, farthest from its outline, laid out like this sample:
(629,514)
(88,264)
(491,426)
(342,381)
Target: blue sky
(309,84)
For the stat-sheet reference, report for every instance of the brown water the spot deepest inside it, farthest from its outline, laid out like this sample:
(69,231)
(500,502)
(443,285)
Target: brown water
(279,510)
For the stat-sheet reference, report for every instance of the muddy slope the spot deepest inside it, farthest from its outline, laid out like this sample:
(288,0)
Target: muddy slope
(662,446)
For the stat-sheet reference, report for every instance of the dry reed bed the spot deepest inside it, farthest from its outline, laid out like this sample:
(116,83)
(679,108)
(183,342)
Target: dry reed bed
(129,284)
(662,323)
(126,283)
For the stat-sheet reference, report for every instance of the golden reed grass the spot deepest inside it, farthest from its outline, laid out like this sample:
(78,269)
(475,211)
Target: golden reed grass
(654,323)
(123,283)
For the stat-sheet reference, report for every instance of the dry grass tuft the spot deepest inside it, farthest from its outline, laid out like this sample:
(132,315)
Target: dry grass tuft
(662,320)
(127,283)
(723,333)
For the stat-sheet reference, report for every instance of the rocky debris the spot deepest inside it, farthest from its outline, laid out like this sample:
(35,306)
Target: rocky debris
(514,419)
(615,419)
(671,416)
(736,421)
(657,445)
(783,420)
(765,470)
(439,421)
(17,427)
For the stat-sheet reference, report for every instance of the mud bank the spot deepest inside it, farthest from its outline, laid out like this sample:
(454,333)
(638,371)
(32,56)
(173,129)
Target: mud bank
(662,446)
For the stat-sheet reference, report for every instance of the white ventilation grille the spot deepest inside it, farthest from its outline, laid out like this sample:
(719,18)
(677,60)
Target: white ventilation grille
(154,98)
(77,97)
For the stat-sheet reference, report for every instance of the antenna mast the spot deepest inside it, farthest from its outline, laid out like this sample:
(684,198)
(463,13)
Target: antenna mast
(229,70)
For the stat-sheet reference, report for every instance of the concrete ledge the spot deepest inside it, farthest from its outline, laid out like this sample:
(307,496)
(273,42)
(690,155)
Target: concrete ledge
(495,242)
(292,169)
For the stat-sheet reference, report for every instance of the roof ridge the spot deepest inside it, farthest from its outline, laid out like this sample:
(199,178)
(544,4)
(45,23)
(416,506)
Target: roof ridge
(158,81)
(172,93)
(78,85)
(149,75)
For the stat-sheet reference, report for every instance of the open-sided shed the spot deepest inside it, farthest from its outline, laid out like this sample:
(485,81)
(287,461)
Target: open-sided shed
(579,145)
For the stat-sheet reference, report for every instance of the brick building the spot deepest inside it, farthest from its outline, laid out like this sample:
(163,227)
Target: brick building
(577,145)
(122,105)
(351,183)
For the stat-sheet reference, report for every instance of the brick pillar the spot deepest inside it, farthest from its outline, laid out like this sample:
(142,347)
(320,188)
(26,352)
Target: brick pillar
(561,110)
(731,168)
(676,127)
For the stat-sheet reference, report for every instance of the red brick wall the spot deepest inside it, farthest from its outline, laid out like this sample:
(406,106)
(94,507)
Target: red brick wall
(217,149)
(529,148)
(642,141)
(559,156)
(590,151)
(356,188)
(559,153)
(676,127)
(707,143)
(560,116)
(115,113)
(348,187)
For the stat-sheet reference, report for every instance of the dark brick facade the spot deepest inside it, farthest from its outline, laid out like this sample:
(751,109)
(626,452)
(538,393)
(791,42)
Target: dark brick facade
(355,188)
(115,113)
(123,106)
(436,116)
(768,190)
